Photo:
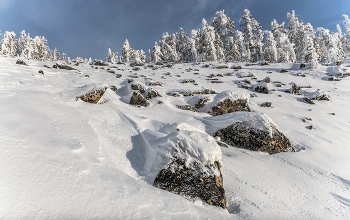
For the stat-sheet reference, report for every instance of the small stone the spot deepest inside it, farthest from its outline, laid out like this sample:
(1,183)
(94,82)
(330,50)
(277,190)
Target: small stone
(42,72)
(266,104)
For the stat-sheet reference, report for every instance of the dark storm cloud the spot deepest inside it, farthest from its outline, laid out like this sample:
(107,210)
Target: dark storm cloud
(88,28)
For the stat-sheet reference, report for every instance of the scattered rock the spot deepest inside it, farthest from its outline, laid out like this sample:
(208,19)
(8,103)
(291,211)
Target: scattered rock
(152,93)
(310,127)
(47,66)
(338,63)
(138,100)
(113,88)
(118,75)
(99,63)
(42,72)
(63,66)
(201,103)
(283,71)
(236,67)
(187,107)
(302,65)
(307,100)
(267,80)
(228,106)
(93,97)
(21,62)
(257,133)
(223,66)
(155,84)
(188,81)
(261,88)
(264,64)
(266,104)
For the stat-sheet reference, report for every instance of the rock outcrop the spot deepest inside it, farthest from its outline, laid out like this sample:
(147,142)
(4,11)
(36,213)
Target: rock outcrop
(138,100)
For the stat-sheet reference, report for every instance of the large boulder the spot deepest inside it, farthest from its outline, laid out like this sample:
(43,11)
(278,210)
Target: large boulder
(190,164)
(256,132)
(180,179)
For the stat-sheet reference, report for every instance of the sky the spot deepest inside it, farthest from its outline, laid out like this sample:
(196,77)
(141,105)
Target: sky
(87,28)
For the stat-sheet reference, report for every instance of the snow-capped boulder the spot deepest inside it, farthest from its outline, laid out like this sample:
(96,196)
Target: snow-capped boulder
(317,95)
(223,103)
(261,88)
(91,93)
(137,99)
(254,131)
(190,164)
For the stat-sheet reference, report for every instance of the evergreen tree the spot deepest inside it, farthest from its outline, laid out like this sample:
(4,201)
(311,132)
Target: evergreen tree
(270,48)
(253,35)
(127,52)
(224,28)
(331,48)
(184,47)
(156,54)
(111,56)
(309,54)
(168,45)
(244,51)
(56,55)
(346,38)
(9,44)
(39,48)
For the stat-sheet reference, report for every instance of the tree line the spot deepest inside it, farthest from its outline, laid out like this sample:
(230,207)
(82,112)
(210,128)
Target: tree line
(220,42)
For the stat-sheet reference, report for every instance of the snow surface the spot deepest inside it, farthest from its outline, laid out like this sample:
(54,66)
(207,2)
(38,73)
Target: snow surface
(62,158)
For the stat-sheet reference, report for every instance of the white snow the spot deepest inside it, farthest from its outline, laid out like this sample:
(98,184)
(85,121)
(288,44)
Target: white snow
(62,158)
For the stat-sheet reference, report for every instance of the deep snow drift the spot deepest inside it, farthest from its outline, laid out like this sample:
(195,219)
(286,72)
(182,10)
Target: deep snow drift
(64,158)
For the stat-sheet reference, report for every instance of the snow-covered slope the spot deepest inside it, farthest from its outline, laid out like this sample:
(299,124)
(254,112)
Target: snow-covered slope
(62,158)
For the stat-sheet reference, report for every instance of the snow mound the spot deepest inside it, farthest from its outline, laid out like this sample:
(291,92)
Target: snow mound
(335,71)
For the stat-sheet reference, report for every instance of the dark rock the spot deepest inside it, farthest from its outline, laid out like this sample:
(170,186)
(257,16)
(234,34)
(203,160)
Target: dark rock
(187,107)
(138,100)
(111,71)
(94,96)
(47,66)
(266,104)
(262,88)
(155,84)
(138,87)
(338,63)
(267,80)
(21,62)
(201,103)
(228,106)
(152,94)
(179,179)
(302,65)
(294,90)
(243,135)
(113,88)
(188,81)
(283,71)
(99,63)
(118,75)
(63,66)
(307,100)
(236,67)
(42,72)
(224,66)
(264,64)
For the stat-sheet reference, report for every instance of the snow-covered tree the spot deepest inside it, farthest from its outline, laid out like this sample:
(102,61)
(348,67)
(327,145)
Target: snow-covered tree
(224,28)
(64,57)
(184,47)
(244,52)
(156,54)
(24,45)
(138,58)
(285,49)
(112,57)
(127,52)
(330,46)
(309,54)
(9,44)
(270,48)
(253,35)
(209,44)
(56,54)
(346,38)
(39,48)
(168,46)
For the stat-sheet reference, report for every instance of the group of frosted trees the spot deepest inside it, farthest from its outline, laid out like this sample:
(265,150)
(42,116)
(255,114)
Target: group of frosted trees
(29,48)
(219,41)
